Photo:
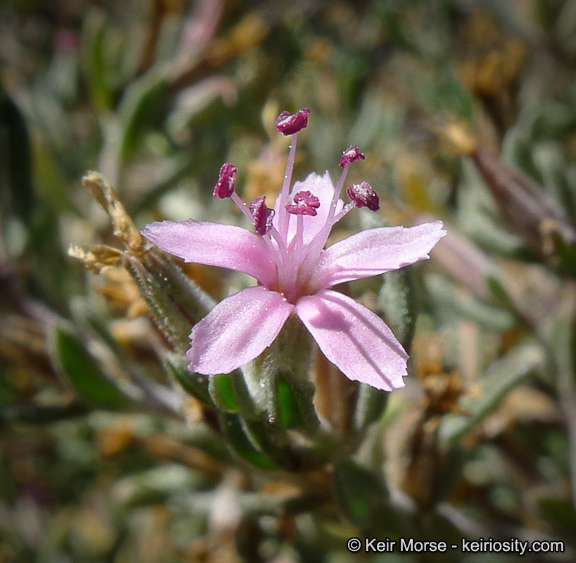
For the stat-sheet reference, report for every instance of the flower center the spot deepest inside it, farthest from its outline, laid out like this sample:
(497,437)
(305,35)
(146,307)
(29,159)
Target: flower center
(295,255)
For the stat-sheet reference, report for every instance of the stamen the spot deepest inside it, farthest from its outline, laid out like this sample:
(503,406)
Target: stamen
(364,196)
(345,210)
(351,154)
(261,215)
(304,204)
(289,124)
(226,181)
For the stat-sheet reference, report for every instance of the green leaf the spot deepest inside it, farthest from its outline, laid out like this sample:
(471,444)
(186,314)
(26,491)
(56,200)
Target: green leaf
(139,105)
(358,491)
(83,372)
(94,59)
(500,378)
(15,146)
(449,302)
(559,513)
(40,414)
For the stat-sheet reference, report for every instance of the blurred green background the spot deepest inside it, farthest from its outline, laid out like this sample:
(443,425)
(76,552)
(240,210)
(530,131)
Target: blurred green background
(466,110)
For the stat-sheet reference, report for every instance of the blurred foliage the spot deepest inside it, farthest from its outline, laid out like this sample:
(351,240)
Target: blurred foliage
(110,450)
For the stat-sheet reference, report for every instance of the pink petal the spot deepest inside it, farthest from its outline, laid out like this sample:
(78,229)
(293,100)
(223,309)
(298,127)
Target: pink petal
(212,244)
(353,338)
(321,187)
(237,330)
(374,252)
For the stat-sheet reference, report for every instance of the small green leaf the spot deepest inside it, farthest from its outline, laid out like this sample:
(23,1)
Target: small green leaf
(40,414)
(358,491)
(448,301)
(501,377)
(138,108)
(83,372)
(95,62)
(559,513)
(15,146)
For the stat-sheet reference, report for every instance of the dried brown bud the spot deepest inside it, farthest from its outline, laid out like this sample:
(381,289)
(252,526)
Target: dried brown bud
(124,227)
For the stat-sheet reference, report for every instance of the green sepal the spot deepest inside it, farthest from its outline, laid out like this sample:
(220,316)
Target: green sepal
(282,372)
(230,394)
(167,316)
(237,439)
(290,401)
(221,392)
(195,384)
(397,302)
(272,442)
(80,369)
(189,297)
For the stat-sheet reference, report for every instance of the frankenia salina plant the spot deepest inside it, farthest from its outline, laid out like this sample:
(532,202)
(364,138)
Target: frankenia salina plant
(295,273)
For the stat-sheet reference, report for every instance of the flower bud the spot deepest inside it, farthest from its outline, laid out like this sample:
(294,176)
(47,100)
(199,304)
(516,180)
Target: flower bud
(289,124)
(226,181)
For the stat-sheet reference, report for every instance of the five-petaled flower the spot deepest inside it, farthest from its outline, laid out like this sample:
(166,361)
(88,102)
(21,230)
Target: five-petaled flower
(294,271)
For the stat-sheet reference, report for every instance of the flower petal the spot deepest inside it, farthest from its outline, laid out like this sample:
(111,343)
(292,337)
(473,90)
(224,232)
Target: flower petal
(353,338)
(374,252)
(212,244)
(237,330)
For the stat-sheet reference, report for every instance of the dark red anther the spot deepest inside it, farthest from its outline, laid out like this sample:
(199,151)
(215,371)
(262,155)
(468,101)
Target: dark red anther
(351,154)
(304,204)
(364,196)
(261,215)
(289,124)
(226,181)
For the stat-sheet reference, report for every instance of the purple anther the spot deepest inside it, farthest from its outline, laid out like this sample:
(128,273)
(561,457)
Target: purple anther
(261,215)
(351,154)
(364,196)
(288,123)
(226,181)
(304,204)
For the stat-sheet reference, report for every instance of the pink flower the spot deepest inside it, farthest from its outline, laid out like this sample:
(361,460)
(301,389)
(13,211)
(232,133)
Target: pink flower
(294,271)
